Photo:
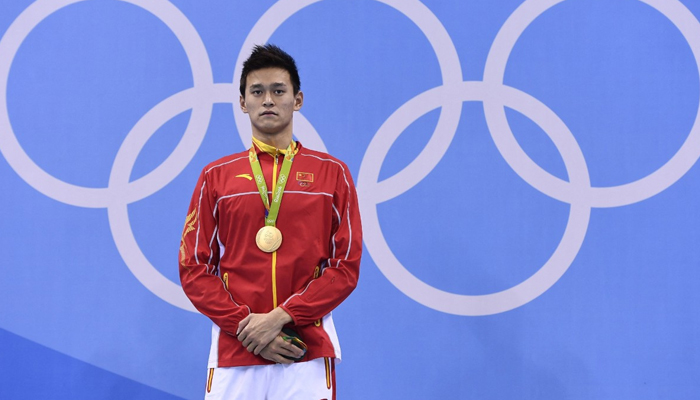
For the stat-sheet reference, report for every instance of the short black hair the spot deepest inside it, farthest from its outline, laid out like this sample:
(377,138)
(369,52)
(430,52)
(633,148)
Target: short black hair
(270,56)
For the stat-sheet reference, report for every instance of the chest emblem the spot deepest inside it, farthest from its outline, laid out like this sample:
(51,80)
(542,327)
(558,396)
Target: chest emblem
(247,176)
(305,179)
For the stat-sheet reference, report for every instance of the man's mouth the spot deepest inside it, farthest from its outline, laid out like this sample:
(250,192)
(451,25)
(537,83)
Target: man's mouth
(268,113)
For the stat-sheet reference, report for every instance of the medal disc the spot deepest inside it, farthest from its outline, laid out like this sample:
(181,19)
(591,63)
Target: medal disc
(268,239)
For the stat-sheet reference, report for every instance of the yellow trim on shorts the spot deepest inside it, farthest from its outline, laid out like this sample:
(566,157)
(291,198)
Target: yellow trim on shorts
(210,379)
(328,371)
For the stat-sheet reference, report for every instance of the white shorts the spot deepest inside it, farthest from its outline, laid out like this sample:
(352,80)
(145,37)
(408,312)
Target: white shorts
(309,380)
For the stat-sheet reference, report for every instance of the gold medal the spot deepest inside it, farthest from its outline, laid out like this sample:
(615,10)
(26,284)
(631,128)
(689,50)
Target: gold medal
(268,239)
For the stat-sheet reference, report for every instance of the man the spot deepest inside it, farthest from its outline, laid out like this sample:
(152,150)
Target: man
(257,262)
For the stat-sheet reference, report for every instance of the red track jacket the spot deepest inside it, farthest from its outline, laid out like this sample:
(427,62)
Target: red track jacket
(227,277)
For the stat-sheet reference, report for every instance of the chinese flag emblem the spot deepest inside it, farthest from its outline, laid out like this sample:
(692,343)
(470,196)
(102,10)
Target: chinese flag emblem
(305,176)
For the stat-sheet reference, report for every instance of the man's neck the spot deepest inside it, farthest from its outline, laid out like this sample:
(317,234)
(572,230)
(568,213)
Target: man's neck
(278,140)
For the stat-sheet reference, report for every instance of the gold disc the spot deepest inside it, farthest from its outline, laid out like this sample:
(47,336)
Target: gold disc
(268,239)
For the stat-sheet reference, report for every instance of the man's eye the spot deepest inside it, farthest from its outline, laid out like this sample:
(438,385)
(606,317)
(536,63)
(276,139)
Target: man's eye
(256,92)
(279,91)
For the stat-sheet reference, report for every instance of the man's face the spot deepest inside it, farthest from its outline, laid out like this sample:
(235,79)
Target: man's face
(270,101)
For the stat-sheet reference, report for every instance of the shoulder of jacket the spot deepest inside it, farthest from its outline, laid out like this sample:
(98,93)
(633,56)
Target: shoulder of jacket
(323,157)
(226,161)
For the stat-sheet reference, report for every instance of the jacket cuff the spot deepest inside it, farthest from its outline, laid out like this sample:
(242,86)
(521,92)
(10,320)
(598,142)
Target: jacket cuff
(291,314)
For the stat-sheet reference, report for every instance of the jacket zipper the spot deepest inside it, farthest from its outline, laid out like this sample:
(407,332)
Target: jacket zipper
(274,253)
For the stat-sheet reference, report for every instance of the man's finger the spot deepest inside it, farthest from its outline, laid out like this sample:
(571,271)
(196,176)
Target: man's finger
(285,352)
(291,350)
(242,335)
(246,339)
(243,323)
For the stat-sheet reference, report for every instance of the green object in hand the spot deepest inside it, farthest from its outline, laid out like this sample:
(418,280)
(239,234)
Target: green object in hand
(294,338)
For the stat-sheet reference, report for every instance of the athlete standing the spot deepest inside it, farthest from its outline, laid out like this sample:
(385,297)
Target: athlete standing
(271,245)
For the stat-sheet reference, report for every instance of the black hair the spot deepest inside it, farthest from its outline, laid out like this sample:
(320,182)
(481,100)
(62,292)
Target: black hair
(270,56)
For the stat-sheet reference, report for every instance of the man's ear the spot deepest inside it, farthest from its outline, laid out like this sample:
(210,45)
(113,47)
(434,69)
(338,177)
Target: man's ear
(298,101)
(241,100)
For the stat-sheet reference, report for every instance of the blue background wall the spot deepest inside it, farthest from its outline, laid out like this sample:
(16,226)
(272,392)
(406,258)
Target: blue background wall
(526,169)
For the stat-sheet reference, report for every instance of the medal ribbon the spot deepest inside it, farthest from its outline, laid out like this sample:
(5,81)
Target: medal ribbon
(271,209)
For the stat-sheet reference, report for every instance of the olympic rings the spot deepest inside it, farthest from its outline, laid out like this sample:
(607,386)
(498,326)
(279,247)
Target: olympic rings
(552,186)
(141,188)
(448,97)
(577,192)
(520,294)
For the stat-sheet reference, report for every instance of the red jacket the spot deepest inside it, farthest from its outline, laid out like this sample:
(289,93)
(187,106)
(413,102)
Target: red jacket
(227,277)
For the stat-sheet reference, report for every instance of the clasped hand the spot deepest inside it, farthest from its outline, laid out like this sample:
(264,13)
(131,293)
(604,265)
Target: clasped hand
(279,349)
(259,334)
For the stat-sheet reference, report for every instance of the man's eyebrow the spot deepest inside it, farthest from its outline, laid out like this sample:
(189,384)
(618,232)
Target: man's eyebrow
(274,85)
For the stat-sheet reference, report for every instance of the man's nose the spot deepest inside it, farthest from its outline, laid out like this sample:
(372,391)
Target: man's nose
(267,100)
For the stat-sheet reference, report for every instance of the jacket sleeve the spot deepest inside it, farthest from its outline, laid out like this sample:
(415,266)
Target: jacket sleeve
(341,271)
(199,260)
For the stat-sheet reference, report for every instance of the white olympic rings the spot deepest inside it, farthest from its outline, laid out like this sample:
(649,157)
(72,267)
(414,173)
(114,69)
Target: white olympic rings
(577,192)
(492,92)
